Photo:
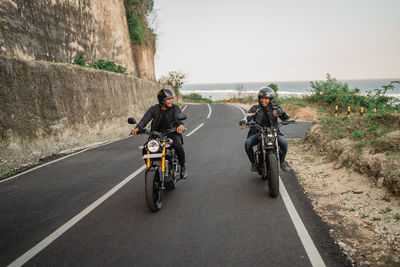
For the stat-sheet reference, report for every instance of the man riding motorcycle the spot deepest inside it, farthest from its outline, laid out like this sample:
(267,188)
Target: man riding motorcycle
(165,116)
(266,114)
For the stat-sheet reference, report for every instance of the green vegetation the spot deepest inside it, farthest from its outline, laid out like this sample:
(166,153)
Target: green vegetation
(273,87)
(100,65)
(79,61)
(332,92)
(138,13)
(196,98)
(108,66)
(6,172)
(367,130)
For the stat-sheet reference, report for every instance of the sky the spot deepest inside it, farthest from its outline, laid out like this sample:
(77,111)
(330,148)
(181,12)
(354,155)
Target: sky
(216,41)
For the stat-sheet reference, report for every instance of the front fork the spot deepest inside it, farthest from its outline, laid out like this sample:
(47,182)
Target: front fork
(162,173)
(265,171)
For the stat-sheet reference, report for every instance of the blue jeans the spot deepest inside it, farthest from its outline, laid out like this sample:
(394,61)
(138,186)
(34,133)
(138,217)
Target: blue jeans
(253,140)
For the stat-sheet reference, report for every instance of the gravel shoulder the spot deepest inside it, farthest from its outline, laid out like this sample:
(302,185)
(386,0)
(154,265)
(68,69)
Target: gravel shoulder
(363,218)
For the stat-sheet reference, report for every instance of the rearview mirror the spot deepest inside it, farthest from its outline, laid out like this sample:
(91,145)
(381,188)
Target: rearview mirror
(131,121)
(182,117)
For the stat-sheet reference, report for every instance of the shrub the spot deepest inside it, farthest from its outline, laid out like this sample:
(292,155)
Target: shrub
(334,92)
(100,65)
(108,66)
(79,61)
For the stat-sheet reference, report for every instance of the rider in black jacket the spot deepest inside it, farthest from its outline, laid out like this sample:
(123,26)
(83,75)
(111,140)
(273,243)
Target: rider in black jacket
(164,116)
(266,113)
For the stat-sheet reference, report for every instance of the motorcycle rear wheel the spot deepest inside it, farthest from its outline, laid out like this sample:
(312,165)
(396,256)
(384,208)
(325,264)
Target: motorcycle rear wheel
(273,179)
(153,190)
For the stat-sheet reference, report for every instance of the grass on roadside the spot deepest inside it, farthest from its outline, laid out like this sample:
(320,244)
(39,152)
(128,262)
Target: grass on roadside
(196,98)
(6,172)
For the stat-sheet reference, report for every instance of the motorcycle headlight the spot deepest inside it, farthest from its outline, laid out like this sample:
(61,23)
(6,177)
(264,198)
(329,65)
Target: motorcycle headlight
(270,135)
(153,146)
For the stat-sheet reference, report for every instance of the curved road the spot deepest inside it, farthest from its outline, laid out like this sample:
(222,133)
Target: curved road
(89,209)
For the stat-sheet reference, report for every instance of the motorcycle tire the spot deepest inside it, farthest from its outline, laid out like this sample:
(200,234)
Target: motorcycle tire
(153,190)
(273,181)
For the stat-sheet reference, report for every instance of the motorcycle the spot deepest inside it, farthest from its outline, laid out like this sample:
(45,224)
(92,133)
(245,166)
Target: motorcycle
(267,153)
(162,166)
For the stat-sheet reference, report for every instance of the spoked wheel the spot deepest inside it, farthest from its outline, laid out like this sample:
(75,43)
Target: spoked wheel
(153,190)
(273,178)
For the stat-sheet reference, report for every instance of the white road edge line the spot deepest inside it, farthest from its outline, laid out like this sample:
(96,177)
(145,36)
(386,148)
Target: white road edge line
(53,236)
(241,109)
(192,132)
(209,114)
(184,107)
(53,161)
(308,244)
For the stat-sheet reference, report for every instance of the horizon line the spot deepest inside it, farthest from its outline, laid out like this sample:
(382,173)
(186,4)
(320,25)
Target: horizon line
(236,82)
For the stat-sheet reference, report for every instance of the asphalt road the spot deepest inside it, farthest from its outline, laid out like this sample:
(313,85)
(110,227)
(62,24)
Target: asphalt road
(221,216)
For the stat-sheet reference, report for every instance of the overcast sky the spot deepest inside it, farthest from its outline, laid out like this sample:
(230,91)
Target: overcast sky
(288,40)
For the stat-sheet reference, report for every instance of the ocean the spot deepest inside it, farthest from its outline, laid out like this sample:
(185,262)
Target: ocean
(219,91)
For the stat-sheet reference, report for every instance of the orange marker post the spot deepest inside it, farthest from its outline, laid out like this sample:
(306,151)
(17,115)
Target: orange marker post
(374,110)
(348,111)
(361,112)
(336,111)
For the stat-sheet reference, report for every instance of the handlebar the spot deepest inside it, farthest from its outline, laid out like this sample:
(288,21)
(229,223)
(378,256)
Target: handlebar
(257,126)
(155,133)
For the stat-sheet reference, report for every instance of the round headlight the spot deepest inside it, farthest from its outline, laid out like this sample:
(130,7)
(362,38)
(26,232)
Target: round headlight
(153,146)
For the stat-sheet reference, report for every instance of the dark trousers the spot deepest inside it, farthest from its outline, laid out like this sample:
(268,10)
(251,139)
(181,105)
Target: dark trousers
(178,147)
(252,140)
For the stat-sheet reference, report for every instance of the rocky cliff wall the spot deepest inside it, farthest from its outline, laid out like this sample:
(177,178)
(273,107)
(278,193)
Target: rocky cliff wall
(144,60)
(59,30)
(49,107)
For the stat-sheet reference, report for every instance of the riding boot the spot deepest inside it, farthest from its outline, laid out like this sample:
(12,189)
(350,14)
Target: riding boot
(253,167)
(183,172)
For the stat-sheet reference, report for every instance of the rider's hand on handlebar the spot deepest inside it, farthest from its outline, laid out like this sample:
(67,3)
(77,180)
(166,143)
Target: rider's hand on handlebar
(135,131)
(180,129)
(275,113)
(243,124)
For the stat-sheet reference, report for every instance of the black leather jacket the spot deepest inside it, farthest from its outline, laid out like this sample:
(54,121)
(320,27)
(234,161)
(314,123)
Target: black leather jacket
(154,113)
(257,112)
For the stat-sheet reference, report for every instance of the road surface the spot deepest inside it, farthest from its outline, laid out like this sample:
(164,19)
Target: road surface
(89,209)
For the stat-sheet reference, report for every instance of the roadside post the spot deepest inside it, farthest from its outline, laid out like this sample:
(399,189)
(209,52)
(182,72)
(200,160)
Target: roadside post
(348,111)
(336,111)
(374,110)
(361,112)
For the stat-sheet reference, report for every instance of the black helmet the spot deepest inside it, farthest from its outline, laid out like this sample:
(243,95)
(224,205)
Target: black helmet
(266,92)
(165,93)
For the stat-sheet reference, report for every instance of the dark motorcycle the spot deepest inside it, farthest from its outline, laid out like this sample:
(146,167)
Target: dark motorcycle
(267,154)
(163,168)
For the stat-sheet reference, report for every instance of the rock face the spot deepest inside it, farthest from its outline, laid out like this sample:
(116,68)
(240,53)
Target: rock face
(49,107)
(60,30)
(144,60)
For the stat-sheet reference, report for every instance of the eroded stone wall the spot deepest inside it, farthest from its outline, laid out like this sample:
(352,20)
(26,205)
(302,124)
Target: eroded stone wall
(48,107)
(59,30)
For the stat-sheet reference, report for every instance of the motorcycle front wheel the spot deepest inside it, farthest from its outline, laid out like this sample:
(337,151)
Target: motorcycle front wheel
(273,178)
(153,189)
